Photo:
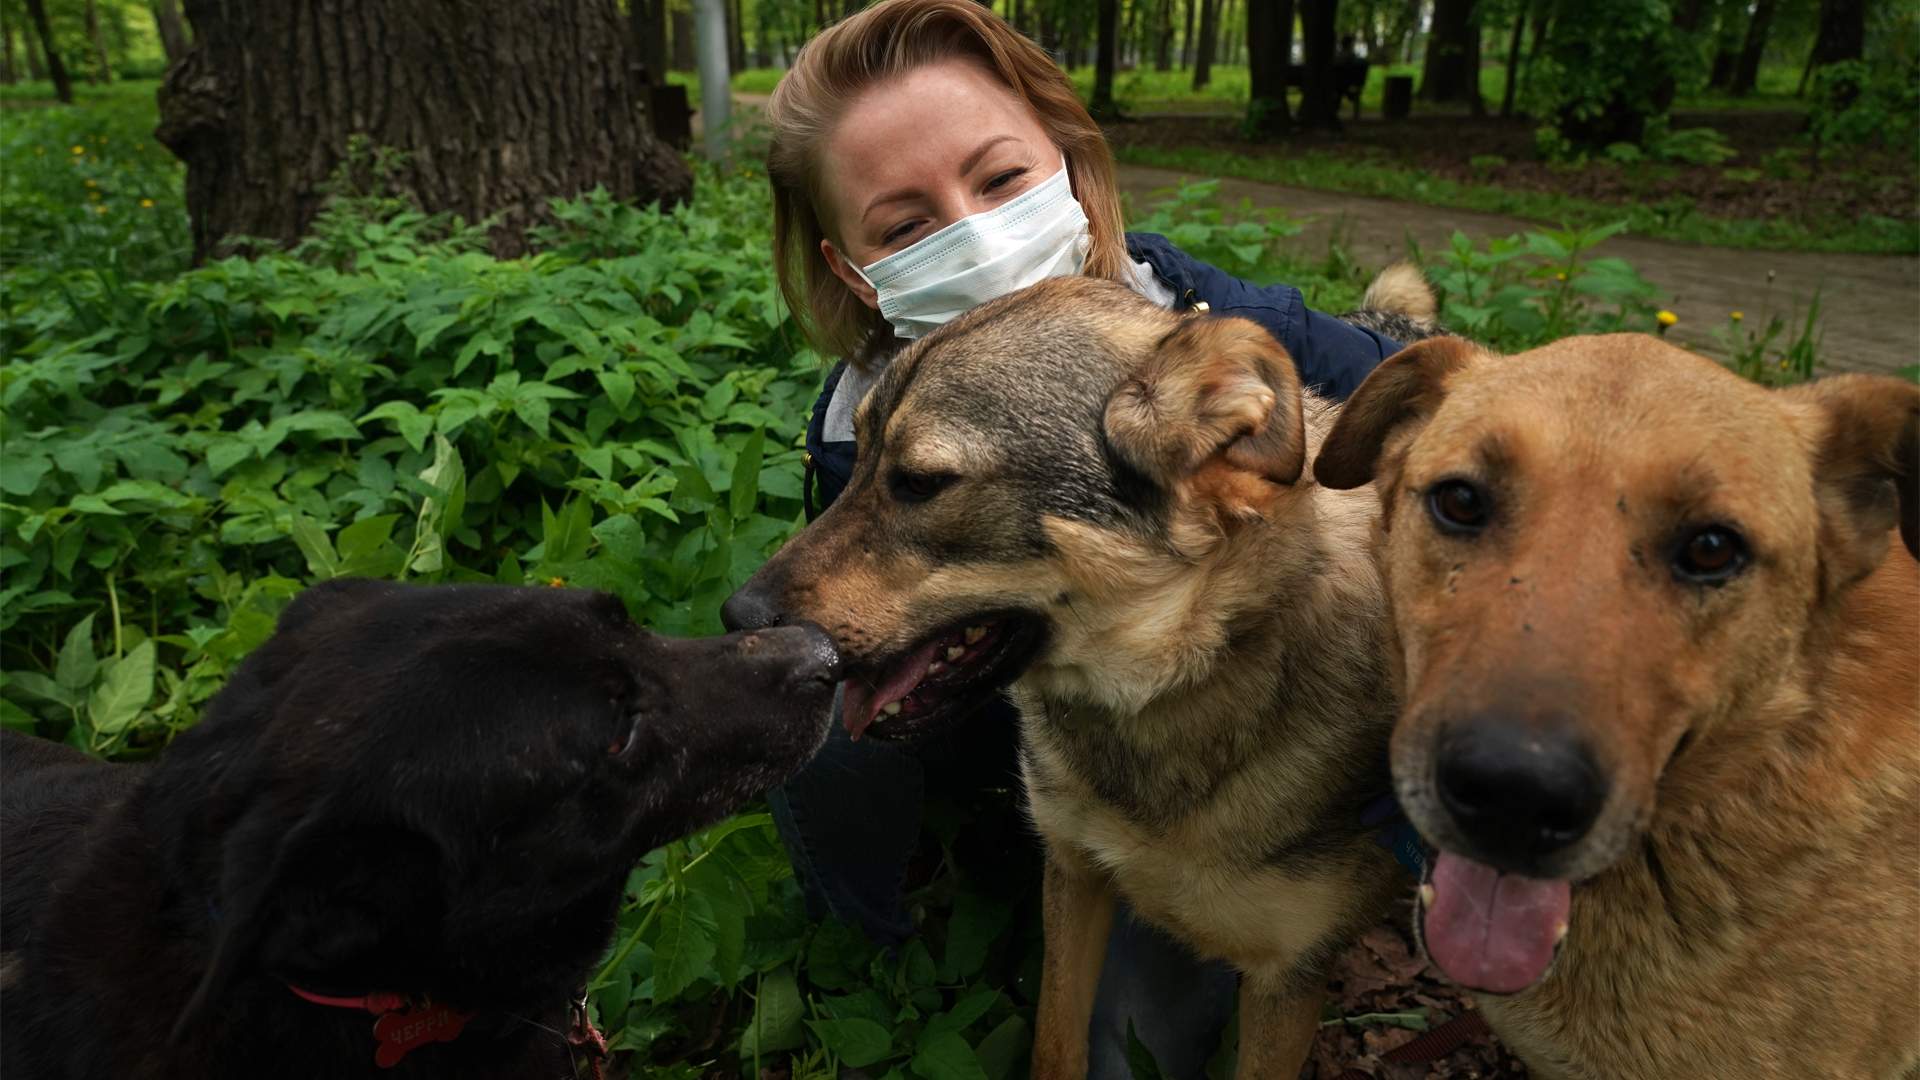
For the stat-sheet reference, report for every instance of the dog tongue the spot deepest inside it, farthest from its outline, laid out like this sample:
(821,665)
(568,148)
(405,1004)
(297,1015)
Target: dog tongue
(863,701)
(1492,931)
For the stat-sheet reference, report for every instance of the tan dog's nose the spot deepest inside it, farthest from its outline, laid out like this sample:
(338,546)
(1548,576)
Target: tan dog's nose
(1519,792)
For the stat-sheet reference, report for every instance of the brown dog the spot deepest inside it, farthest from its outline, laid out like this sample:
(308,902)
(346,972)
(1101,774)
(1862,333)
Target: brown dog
(1661,686)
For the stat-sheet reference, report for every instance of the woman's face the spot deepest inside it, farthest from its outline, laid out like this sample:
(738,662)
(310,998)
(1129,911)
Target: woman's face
(918,152)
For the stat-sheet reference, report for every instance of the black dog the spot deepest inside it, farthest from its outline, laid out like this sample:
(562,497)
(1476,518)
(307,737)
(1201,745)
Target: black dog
(422,801)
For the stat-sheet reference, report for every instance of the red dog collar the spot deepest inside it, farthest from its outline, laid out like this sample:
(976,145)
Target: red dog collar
(402,1026)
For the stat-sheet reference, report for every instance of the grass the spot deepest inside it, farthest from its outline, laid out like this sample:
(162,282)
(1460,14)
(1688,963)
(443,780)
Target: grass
(1328,172)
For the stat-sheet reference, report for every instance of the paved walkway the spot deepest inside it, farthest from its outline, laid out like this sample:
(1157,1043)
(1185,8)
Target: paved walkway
(1870,304)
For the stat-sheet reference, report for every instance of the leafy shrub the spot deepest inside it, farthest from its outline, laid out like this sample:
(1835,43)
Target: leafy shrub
(1521,291)
(1606,70)
(1856,105)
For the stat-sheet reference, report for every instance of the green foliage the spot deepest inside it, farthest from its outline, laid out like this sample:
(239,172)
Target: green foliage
(1856,106)
(1768,358)
(1521,291)
(1243,241)
(1602,72)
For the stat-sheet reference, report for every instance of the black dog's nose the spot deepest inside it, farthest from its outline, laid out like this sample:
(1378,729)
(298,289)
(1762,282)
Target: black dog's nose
(749,609)
(802,649)
(1518,791)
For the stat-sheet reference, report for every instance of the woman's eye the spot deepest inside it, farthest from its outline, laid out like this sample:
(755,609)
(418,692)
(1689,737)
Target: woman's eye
(1005,178)
(897,233)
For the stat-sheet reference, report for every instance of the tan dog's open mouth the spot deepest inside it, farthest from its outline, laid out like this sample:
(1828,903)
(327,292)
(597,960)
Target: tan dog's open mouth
(1490,931)
(943,677)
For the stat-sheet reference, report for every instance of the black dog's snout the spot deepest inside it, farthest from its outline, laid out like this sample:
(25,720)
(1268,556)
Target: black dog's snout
(749,609)
(802,649)
(1519,792)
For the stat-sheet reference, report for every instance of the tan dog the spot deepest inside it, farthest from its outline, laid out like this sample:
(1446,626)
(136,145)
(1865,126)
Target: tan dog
(1076,488)
(1661,685)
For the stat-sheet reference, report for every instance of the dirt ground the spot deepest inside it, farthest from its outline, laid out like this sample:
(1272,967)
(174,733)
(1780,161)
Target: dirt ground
(1870,303)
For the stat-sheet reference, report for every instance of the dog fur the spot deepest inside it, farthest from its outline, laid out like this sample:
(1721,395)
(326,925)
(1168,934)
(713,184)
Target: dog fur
(434,791)
(1119,492)
(1746,901)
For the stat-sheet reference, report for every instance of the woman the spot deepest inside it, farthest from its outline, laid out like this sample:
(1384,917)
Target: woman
(926,157)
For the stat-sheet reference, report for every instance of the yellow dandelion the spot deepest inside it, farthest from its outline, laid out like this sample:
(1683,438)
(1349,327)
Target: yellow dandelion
(1560,275)
(39,151)
(1666,318)
(78,150)
(1783,364)
(92,183)
(99,209)
(1736,316)
(556,583)
(146,204)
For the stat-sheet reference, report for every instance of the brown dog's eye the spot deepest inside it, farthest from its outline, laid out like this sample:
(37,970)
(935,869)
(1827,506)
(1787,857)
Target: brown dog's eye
(1710,556)
(913,487)
(1459,506)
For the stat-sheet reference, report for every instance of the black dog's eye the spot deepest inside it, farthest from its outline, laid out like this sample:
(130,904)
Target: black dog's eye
(915,487)
(1710,556)
(1459,506)
(619,746)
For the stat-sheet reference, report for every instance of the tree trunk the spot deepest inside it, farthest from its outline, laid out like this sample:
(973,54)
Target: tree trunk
(1105,43)
(1843,32)
(1745,75)
(497,107)
(1269,49)
(1209,34)
(9,71)
(1452,70)
(1319,100)
(102,64)
(1163,35)
(682,58)
(736,36)
(1513,63)
(1187,52)
(647,37)
(173,33)
(56,69)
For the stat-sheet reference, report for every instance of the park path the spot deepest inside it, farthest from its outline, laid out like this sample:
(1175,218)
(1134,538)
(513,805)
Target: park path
(1870,304)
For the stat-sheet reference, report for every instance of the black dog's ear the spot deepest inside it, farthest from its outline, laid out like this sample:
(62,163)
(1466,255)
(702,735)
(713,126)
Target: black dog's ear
(1866,470)
(1220,397)
(1407,386)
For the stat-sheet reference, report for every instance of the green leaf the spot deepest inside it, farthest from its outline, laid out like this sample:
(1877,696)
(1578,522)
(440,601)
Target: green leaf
(857,1043)
(965,1011)
(622,537)
(777,1013)
(413,425)
(976,923)
(1140,1060)
(943,1055)
(365,537)
(746,476)
(32,682)
(313,543)
(683,952)
(76,665)
(618,386)
(1000,1051)
(123,692)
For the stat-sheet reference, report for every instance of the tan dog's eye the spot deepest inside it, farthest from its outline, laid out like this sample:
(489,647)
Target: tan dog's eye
(1711,556)
(916,487)
(1459,506)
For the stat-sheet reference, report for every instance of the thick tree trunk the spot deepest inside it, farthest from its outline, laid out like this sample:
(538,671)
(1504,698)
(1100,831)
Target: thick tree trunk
(102,64)
(1843,32)
(50,53)
(1319,100)
(1209,34)
(1187,52)
(173,33)
(1269,49)
(1748,70)
(9,70)
(1105,44)
(1163,35)
(1513,63)
(736,36)
(1452,70)
(498,107)
(647,37)
(682,58)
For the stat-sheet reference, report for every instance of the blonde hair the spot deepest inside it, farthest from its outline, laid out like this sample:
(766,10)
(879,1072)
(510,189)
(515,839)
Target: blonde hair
(888,39)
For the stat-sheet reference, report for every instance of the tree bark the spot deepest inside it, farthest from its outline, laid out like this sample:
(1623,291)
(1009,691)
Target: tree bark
(1748,71)
(682,58)
(9,69)
(1163,35)
(1269,49)
(50,53)
(1843,32)
(1105,43)
(1452,70)
(1209,34)
(1319,100)
(1187,52)
(497,107)
(173,33)
(1513,63)
(102,64)
(736,36)
(647,36)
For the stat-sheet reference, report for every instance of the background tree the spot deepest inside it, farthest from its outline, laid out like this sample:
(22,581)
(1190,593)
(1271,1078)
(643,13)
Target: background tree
(1842,33)
(1105,45)
(1607,71)
(1269,50)
(1747,71)
(173,32)
(50,51)
(498,107)
(1209,34)
(1452,69)
(1319,100)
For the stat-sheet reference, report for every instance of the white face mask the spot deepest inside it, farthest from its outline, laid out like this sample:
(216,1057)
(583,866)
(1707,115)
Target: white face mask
(1039,234)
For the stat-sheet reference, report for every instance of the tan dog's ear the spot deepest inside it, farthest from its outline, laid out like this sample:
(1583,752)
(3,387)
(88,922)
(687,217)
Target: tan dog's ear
(1866,466)
(1218,396)
(1406,386)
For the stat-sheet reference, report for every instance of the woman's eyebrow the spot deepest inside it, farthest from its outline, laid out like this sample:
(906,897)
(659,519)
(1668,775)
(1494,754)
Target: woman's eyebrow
(967,165)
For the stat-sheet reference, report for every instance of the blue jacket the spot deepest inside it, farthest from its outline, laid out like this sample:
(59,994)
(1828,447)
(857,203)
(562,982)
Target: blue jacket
(1333,357)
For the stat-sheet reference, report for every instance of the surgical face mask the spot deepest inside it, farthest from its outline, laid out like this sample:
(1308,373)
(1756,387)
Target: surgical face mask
(1039,234)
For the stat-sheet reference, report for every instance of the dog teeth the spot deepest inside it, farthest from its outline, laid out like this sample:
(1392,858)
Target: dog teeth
(1559,933)
(891,708)
(1426,895)
(936,667)
(955,652)
(975,633)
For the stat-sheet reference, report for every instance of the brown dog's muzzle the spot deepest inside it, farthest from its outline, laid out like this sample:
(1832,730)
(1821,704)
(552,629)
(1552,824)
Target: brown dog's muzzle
(1520,789)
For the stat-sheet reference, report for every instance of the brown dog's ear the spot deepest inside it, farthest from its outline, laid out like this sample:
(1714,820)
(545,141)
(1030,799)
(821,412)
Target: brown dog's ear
(1217,396)
(1866,465)
(1408,385)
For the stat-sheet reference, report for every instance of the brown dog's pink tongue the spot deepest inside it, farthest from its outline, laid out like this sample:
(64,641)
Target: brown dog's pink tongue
(1492,931)
(862,701)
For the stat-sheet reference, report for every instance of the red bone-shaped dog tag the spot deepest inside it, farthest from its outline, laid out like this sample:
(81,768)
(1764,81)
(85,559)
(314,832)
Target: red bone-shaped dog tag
(398,1033)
